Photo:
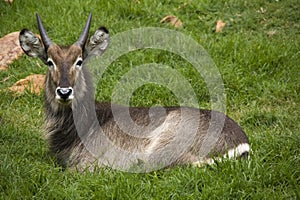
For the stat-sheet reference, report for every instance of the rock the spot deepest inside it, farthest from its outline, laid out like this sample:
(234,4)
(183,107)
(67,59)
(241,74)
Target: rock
(33,83)
(10,49)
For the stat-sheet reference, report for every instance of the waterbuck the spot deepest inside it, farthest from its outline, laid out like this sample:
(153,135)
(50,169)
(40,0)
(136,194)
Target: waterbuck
(84,134)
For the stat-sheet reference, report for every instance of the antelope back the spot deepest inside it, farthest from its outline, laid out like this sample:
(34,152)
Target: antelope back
(64,63)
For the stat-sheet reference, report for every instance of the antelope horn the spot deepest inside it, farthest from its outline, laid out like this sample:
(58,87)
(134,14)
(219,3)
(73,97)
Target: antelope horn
(45,38)
(84,35)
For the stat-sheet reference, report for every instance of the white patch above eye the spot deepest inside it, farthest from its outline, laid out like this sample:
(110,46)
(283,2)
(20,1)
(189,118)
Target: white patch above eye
(78,63)
(51,63)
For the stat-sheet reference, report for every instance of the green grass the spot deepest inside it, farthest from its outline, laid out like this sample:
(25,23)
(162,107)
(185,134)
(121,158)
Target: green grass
(261,78)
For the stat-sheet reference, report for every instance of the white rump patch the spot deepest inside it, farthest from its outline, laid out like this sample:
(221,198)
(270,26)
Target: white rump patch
(237,151)
(232,153)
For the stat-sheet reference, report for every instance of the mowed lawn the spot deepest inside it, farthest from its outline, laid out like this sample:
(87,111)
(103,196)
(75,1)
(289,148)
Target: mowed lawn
(257,54)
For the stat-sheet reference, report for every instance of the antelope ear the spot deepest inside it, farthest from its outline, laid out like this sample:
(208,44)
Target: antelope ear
(32,45)
(98,43)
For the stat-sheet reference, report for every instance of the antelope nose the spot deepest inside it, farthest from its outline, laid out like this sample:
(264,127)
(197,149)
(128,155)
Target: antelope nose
(64,93)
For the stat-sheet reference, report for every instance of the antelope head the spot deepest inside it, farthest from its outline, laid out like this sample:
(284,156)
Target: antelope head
(64,63)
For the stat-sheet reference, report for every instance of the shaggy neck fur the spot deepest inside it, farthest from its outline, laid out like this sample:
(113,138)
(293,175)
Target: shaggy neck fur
(60,126)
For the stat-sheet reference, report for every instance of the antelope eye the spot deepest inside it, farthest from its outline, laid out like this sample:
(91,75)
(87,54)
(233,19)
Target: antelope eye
(50,63)
(78,62)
